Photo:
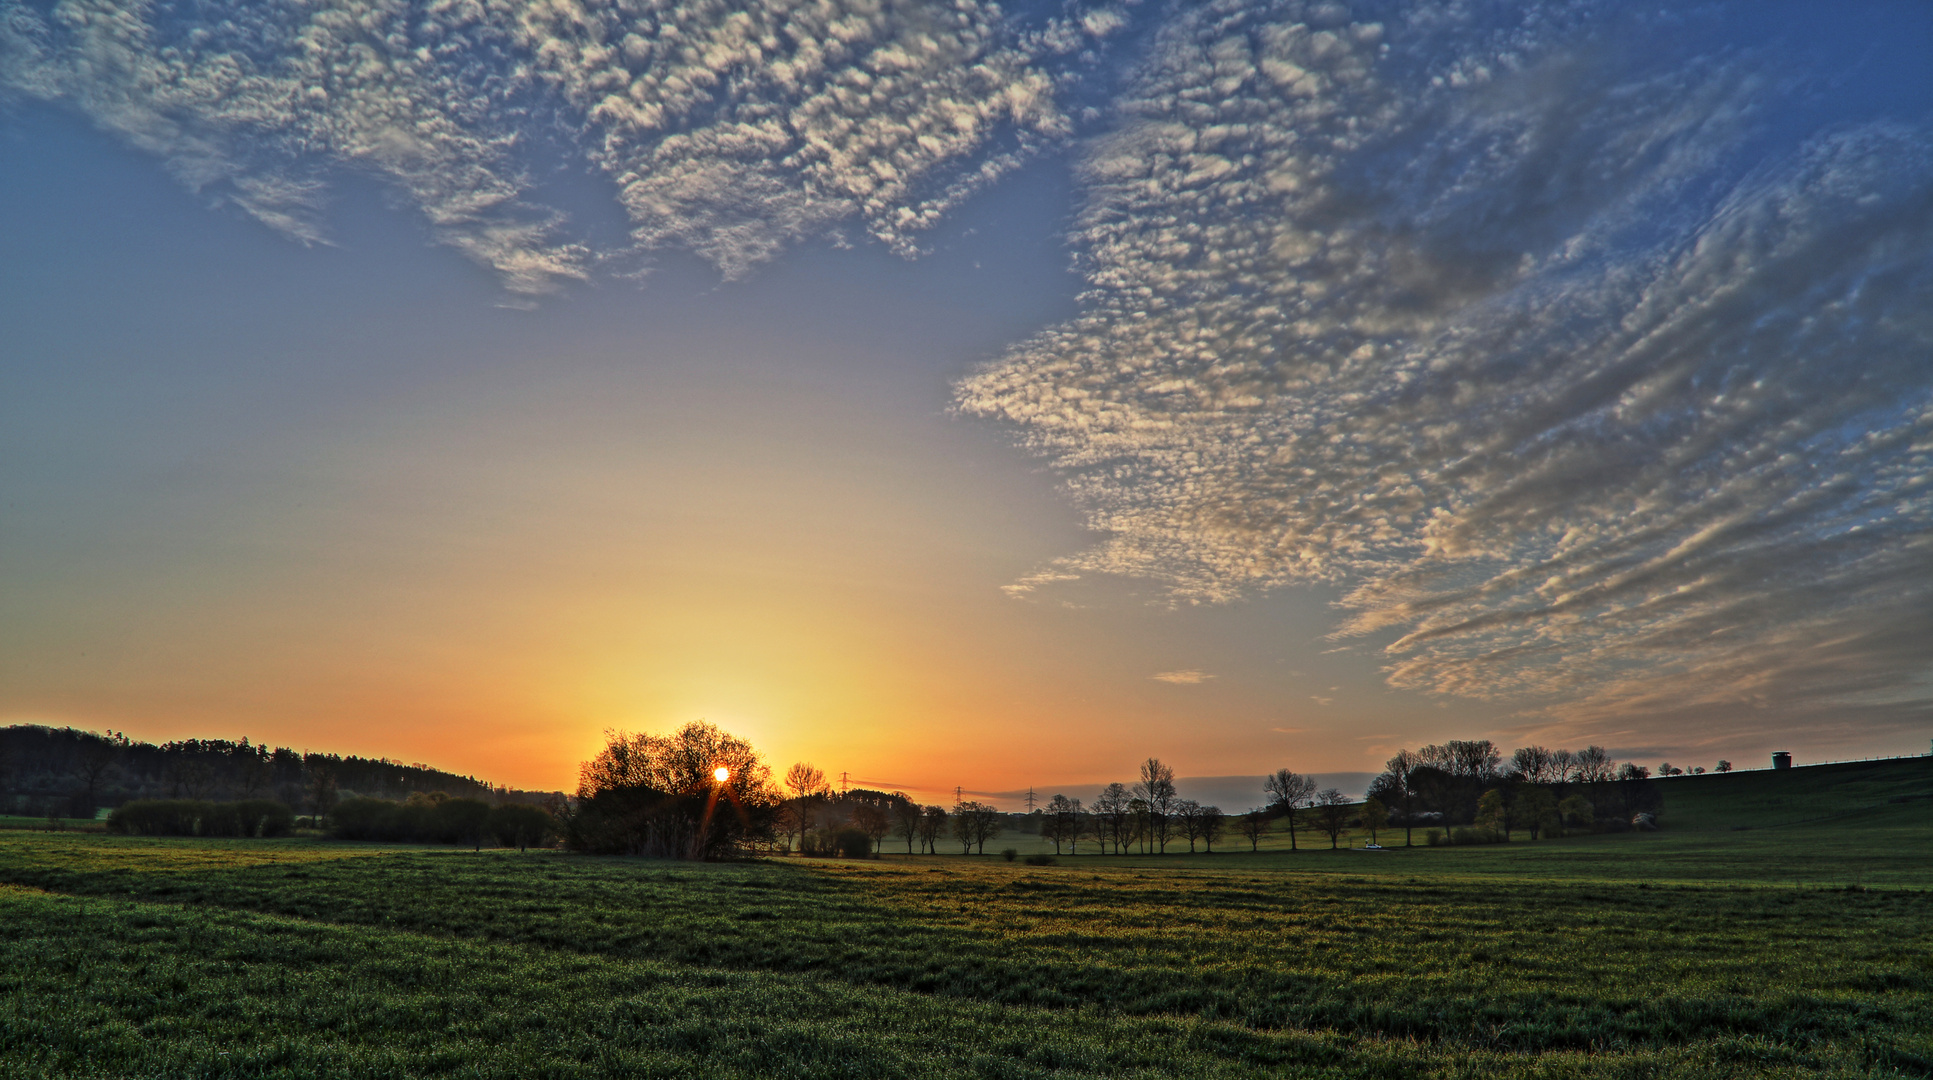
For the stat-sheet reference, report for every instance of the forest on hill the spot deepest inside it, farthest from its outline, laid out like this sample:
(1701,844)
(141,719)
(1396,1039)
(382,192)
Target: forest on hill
(66,772)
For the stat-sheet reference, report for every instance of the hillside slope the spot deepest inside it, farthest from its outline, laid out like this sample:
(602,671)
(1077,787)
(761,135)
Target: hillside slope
(1891,792)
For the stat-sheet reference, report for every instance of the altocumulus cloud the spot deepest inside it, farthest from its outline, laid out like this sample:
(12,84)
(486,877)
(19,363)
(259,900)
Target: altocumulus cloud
(1502,318)
(729,129)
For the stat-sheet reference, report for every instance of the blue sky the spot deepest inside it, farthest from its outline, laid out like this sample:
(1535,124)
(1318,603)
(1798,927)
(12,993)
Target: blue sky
(951,395)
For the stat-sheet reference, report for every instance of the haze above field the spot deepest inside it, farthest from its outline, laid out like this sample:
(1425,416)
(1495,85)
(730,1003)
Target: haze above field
(959,396)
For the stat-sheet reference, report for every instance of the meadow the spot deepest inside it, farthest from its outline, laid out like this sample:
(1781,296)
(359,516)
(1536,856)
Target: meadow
(1778,926)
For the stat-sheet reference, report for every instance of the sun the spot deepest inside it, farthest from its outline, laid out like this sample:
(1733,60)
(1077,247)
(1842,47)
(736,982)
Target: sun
(721,774)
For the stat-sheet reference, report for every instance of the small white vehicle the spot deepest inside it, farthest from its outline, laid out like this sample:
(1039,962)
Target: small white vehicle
(1372,847)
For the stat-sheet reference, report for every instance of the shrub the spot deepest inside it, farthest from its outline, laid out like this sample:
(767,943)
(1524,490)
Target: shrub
(434,818)
(1433,837)
(367,819)
(520,825)
(846,842)
(156,817)
(1010,854)
(1479,834)
(1040,860)
(265,817)
(197,817)
(458,821)
(853,843)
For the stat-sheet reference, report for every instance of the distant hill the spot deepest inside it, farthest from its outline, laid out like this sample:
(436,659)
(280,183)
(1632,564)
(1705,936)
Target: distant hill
(73,773)
(1894,791)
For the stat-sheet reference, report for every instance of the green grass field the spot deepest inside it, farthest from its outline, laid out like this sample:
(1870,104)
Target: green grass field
(1798,946)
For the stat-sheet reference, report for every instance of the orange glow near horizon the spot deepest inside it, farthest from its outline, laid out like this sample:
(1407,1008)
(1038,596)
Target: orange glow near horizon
(489,580)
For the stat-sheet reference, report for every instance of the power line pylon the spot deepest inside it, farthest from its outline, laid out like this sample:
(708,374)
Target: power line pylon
(1030,798)
(842,781)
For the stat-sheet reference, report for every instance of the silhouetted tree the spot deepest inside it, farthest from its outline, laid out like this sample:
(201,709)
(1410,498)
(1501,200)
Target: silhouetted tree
(975,823)
(1254,825)
(791,818)
(1724,766)
(94,760)
(1138,832)
(868,818)
(1156,790)
(1437,792)
(1475,759)
(1095,827)
(1398,771)
(963,831)
(906,818)
(1062,822)
(1535,763)
(1537,809)
(1509,816)
(321,789)
(1112,809)
(1213,824)
(1288,792)
(662,795)
(1332,814)
(933,823)
(1187,814)
(252,775)
(1494,813)
(1374,816)
(804,781)
(1594,765)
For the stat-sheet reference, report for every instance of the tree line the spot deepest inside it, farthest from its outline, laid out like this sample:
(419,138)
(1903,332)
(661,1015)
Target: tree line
(66,772)
(1467,791)
(699,792)
(1463,791)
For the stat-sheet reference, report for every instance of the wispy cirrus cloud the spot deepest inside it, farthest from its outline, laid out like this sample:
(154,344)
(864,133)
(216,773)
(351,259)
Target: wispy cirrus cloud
(731,130)
(1514,331)
(1185,677)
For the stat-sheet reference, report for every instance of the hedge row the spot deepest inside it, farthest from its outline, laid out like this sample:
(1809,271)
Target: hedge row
(196,817)
(441,820)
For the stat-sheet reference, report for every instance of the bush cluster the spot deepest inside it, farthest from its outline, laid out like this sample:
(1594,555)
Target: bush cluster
(197,817)
(439,819)
(849,843)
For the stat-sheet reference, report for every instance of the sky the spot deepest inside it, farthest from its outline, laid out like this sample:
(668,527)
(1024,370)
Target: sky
(963,396)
